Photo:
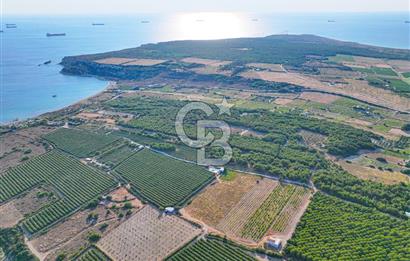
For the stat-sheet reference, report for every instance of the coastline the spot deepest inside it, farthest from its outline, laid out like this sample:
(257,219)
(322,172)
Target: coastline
(110,85)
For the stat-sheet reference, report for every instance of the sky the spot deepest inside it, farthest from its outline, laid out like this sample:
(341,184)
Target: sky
(57,7)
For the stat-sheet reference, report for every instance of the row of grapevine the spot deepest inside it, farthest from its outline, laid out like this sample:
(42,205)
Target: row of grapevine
(293,206)
(259,223)
(93,254)
(162,180)
(80,143)
(76,183)
(234,221)
(210,250)
(333,229)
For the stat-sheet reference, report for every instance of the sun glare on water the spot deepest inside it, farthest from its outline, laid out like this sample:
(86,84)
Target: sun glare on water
(204,26)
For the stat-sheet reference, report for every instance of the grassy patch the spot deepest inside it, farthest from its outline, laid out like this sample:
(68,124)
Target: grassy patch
(229,176)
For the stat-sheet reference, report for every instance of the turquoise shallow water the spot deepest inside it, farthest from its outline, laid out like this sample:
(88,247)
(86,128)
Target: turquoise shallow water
(26,89)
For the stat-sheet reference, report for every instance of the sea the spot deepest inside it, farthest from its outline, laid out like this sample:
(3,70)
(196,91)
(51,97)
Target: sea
(28,87)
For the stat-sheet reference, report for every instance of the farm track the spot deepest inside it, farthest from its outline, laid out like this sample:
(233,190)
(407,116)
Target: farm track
(237,217)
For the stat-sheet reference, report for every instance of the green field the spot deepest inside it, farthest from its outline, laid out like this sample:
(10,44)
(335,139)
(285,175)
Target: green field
(162,180)
(259,223)
(384,71)
(76,183)
(78,142)
(92,254)
(332,229)
(210,250)
(116,155)
(341,58)
(406,74)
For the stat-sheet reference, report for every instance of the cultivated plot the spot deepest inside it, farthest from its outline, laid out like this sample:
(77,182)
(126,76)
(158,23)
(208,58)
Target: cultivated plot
(80,143)
(210,250)
(163,180)
(148,235)
(75,182)
(237,217)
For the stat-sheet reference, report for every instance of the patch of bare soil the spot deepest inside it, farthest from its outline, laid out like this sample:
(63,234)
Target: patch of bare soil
(215,63)
(374,174)
(358,89)
(121,194)
(319,97)
(214,203)
(95,116)
(20,146)
(267,66)
(14,211)
(70,228)
(10,215)
(282,101)
(114,61)
(398,132)
(144,62)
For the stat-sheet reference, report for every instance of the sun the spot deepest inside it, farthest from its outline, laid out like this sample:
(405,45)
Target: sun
(209,25)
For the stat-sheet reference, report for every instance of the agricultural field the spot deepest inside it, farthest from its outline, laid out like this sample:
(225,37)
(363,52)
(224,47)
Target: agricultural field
(148,235)
(116,155)
(269,212)
(214,203)
(234,221)
(76,184)
(78,142)
(92,254)
(162,180)
(333,229)
(209,249)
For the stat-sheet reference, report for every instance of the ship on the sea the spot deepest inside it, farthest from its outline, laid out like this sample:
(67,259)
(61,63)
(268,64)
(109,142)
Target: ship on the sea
(407,22)
(11,26)
(144,22)
(97,24)
(55,34)
(331,21)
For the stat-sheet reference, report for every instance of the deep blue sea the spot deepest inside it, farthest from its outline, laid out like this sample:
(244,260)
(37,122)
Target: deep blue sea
(26,88)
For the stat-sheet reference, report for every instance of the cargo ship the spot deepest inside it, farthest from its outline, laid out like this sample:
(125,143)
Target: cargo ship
(57,34)
(145,22)
(11,26)
(96,24)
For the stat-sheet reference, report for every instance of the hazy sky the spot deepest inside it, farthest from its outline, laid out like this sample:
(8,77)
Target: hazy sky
(169,6)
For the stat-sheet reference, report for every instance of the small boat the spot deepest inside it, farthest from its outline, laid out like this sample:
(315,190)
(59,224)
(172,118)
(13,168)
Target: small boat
(200,20)
(55,34)
(54,95)
(1,31)
(47,62)
(255,20)
(407,22)
(97,24)
(331,21)
(144,22)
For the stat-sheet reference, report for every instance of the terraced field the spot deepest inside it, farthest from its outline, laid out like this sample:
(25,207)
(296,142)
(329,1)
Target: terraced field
(148,235)
(210,250)
(162,180)
(237,217)
(76,183)
(93,254)
(80,143)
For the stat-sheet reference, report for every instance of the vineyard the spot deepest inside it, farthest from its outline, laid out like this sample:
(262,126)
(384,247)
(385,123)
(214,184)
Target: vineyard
(76,183)
(93,254)
(333,229)
(210,250)
(284,219)
(162,180)
(116,155)
(237,217)
(259,223)
(148,235)
(80,143)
